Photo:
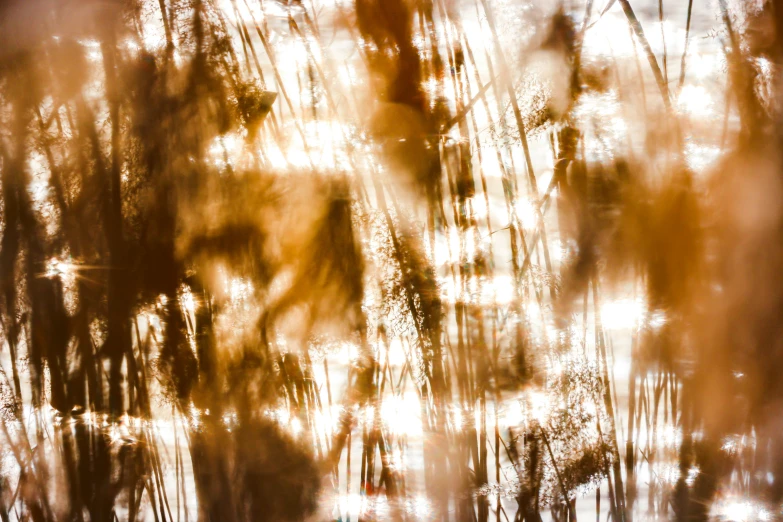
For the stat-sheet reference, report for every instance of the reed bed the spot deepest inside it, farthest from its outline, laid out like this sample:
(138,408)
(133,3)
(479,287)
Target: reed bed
(472,260)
